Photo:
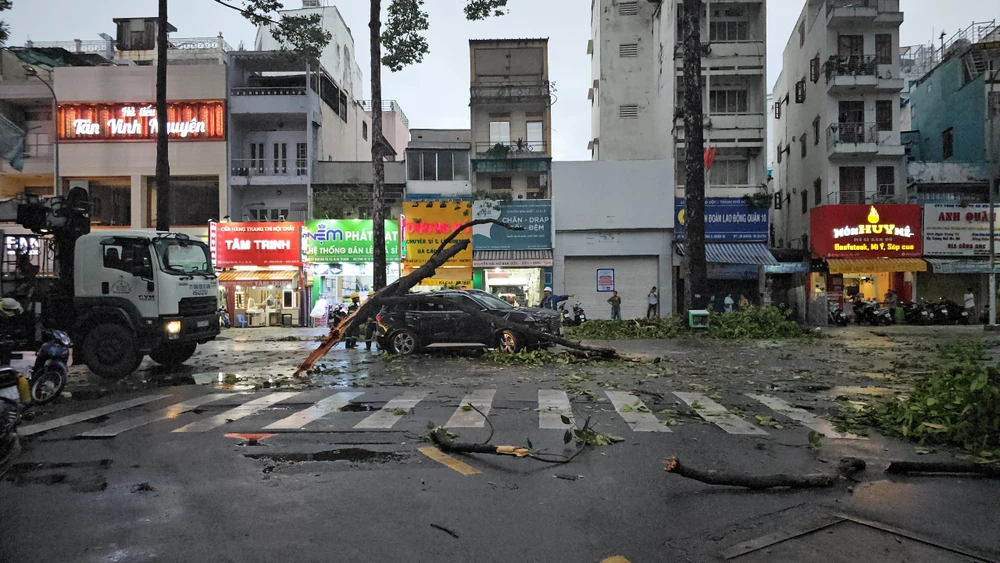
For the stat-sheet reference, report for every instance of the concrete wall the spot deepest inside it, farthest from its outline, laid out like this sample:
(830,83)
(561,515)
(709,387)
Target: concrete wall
(138,83)
(942,100)
(396,131)
(593,196)
(340,141)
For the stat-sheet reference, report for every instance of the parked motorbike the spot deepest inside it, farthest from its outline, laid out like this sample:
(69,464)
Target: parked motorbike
(10,417)
(947,311)
(916,313)
(337,314)
(224,320)
(838,317)
(870,312)
(578,315)
(47,377)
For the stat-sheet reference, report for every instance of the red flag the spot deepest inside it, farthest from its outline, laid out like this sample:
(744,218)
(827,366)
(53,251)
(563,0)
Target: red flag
(710,157)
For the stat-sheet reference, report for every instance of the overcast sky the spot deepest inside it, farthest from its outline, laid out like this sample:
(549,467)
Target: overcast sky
(435,94)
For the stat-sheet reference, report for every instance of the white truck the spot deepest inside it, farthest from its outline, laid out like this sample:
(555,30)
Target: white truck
(120,294)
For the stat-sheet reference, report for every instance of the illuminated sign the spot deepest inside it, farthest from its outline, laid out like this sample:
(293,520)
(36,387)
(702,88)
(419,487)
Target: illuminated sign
(256,244)
(98,121)
(873,228)
(865,231)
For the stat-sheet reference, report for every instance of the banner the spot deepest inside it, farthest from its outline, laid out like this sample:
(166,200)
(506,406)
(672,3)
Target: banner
(114,121)
(958,230)
(865,231)
(255,244)
(348,240)
(532,215)
(727,219)
(426,226)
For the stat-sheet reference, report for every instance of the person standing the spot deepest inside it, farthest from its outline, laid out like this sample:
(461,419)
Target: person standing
(653,300)
(616,306)
(744,303)
(970,304)
(728,303)
(551,301)
(351,338)
(892,301)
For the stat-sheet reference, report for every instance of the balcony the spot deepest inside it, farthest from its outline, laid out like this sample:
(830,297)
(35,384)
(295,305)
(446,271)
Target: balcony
(729,130)
(726,58)
(848,13)
(269,100)
(852,74)
(846,140)
(511,93)
(268,172)
(886,194)
(511,156)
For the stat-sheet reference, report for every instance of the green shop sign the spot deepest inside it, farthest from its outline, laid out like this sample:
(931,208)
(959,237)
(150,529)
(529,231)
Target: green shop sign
(347,240)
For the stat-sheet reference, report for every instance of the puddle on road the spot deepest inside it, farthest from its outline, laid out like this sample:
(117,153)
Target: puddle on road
(87,478)
(359,407)
(351,455)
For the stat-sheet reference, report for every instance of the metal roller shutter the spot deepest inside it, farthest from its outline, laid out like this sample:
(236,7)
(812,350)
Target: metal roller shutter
(634,275)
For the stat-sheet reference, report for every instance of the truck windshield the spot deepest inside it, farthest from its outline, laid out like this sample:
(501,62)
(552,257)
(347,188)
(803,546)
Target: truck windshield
(183,256)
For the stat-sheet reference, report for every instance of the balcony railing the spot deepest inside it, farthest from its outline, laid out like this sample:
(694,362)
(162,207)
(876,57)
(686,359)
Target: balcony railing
(268,91)
(511,149)
(850,65)
(851,133)
(268,167)
(886,194)
(504,92)
(387,105)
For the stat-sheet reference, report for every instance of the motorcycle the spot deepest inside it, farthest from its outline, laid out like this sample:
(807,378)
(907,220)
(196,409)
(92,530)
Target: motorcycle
(870,312)
(579,316)
(10,417)
(337,314)
(947,311)
(916,313)
(47,377)
(837,317)
(224,321)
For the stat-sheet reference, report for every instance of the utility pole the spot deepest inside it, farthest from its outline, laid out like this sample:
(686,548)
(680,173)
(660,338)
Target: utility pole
(162,158)
(992,167)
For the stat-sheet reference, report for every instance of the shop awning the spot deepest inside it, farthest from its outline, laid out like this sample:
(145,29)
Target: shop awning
(512,258)
(736,253)
(875,265)
(957,266)
(257,277)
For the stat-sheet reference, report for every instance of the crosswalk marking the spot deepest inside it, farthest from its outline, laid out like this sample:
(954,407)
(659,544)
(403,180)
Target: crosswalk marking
(805,417)
(242,411)
(633,413)
(552,406)
(385,418)
(86,415)
(322,408)
(718,415)
(482,399)
(173,411)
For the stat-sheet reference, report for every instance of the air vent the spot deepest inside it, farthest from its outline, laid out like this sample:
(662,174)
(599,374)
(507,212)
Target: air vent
(628,50)
(628,8)
(628,112)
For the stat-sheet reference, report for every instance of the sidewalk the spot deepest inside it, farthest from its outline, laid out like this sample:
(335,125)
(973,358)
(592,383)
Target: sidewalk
(272,333)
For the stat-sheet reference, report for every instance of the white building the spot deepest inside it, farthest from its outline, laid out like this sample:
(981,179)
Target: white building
(338,57)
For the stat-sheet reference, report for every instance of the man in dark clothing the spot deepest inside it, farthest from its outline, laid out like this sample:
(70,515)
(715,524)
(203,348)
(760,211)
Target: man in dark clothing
(551,301)
(370,327)
(351,338)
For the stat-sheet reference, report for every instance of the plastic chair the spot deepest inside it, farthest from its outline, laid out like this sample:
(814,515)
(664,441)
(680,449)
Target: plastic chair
(241,320)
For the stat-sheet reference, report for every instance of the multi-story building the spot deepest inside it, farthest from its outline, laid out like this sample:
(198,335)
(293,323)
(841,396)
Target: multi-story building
(395,126)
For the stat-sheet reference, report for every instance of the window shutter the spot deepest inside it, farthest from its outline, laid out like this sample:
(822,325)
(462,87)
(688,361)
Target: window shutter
(814,70)
(628,8)
(800,91)
(628,50)
(628,112)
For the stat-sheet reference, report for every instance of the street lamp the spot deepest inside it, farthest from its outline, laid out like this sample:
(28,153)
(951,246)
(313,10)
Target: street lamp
(30,71)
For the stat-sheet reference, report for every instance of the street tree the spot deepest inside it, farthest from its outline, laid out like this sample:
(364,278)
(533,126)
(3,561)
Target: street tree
(4,26)
(404,45)
(695,266)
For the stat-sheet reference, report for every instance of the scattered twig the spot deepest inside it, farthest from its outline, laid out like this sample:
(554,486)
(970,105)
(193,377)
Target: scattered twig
(487,419)
(448,531)
(441,439)
(847,467)
(650,393)
(987,469)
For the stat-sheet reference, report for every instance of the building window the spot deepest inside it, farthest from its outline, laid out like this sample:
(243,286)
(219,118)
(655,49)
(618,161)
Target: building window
(280,158)
(779,153)
(628,8)
(805,202)
(883,115)
(803,142)
(364,130)
(445,165)
(814,69)
(728,102)
(257,157)
(818,191)
(723,31)
(729,173)
(948,143)
(885,178)
(883,49)
(630,111)
(536,189)
(850,45)
(816,131)
(301,159)
(343,106)
(499,133)
(500,183)
(431,166)
(536,137)
(994,104)
(628,50)
(38,115)
(802,33)
(800,91)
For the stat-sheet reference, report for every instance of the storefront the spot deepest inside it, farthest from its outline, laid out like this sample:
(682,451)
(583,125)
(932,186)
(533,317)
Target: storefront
(863,252)
(339,253)
(514,265)
(260,272)
(425,225)
(735,248)
(957,248)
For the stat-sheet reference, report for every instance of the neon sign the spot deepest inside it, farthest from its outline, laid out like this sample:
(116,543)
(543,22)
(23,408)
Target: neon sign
(873,228)
(188,121)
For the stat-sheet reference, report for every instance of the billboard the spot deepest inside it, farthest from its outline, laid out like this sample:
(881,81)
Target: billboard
(114,121)
(865,231)
(425,225)
(958,230)
(255,244)
(534,216)
(727,219)
(348,240)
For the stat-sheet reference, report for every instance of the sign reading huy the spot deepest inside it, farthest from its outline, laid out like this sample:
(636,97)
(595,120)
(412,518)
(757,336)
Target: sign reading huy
(348,240)
(865,231)
(186,121)
(256,244)
(958,230)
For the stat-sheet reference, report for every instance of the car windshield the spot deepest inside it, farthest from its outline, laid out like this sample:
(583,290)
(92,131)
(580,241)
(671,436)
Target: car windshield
(491,301)
(183,256)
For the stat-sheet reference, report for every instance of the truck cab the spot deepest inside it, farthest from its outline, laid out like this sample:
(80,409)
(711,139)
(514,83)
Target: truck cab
(138,293)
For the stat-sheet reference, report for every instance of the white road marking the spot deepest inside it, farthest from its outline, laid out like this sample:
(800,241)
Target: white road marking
(86,415)
(173,411)
(242,411)
(385,419)
(802,416)
(718,415)
(322,408)
(482,399)
(639,421)
(552,406)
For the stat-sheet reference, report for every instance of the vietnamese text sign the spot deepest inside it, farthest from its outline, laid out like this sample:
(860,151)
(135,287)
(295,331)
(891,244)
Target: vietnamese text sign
(256,244)
(427,224)
(727,219)
(605,280)
(865,231)
(99,121)
(348,240)
(958,230)
(534,216)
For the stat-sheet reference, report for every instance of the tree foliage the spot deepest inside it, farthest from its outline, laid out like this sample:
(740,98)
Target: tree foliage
(338,203)
(302,34)
(4,27)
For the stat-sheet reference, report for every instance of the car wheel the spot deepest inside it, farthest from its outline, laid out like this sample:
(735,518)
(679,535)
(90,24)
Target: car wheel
(508,342)
(404,342)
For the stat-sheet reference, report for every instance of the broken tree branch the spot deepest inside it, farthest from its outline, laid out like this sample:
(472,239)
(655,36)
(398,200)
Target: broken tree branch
(987,469)
(440,438)
(847,467)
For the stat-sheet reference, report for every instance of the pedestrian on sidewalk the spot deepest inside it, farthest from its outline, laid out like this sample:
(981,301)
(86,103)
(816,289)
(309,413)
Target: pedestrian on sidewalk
(653,300)
(728,303)
(970,304)
(892,301)
(744,303)
(616,306)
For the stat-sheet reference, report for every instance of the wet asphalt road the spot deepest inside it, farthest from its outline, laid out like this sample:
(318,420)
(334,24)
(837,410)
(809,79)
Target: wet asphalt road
(333,489)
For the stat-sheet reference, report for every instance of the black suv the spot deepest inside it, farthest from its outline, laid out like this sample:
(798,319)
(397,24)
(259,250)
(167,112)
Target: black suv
(409,323)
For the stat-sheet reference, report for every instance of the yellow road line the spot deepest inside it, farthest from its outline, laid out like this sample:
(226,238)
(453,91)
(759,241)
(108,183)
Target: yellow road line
(448,461)
(615,559)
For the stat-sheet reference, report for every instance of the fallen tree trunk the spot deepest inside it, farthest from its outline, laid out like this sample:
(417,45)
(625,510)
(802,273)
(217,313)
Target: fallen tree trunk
(987,469)
(847,467)
(440,438)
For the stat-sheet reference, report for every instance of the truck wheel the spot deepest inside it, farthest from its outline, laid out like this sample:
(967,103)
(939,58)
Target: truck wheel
(173,355)
(109,350)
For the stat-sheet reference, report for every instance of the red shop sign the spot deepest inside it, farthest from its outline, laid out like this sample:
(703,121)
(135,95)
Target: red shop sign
(256,244)
(203,120)
(865,231)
